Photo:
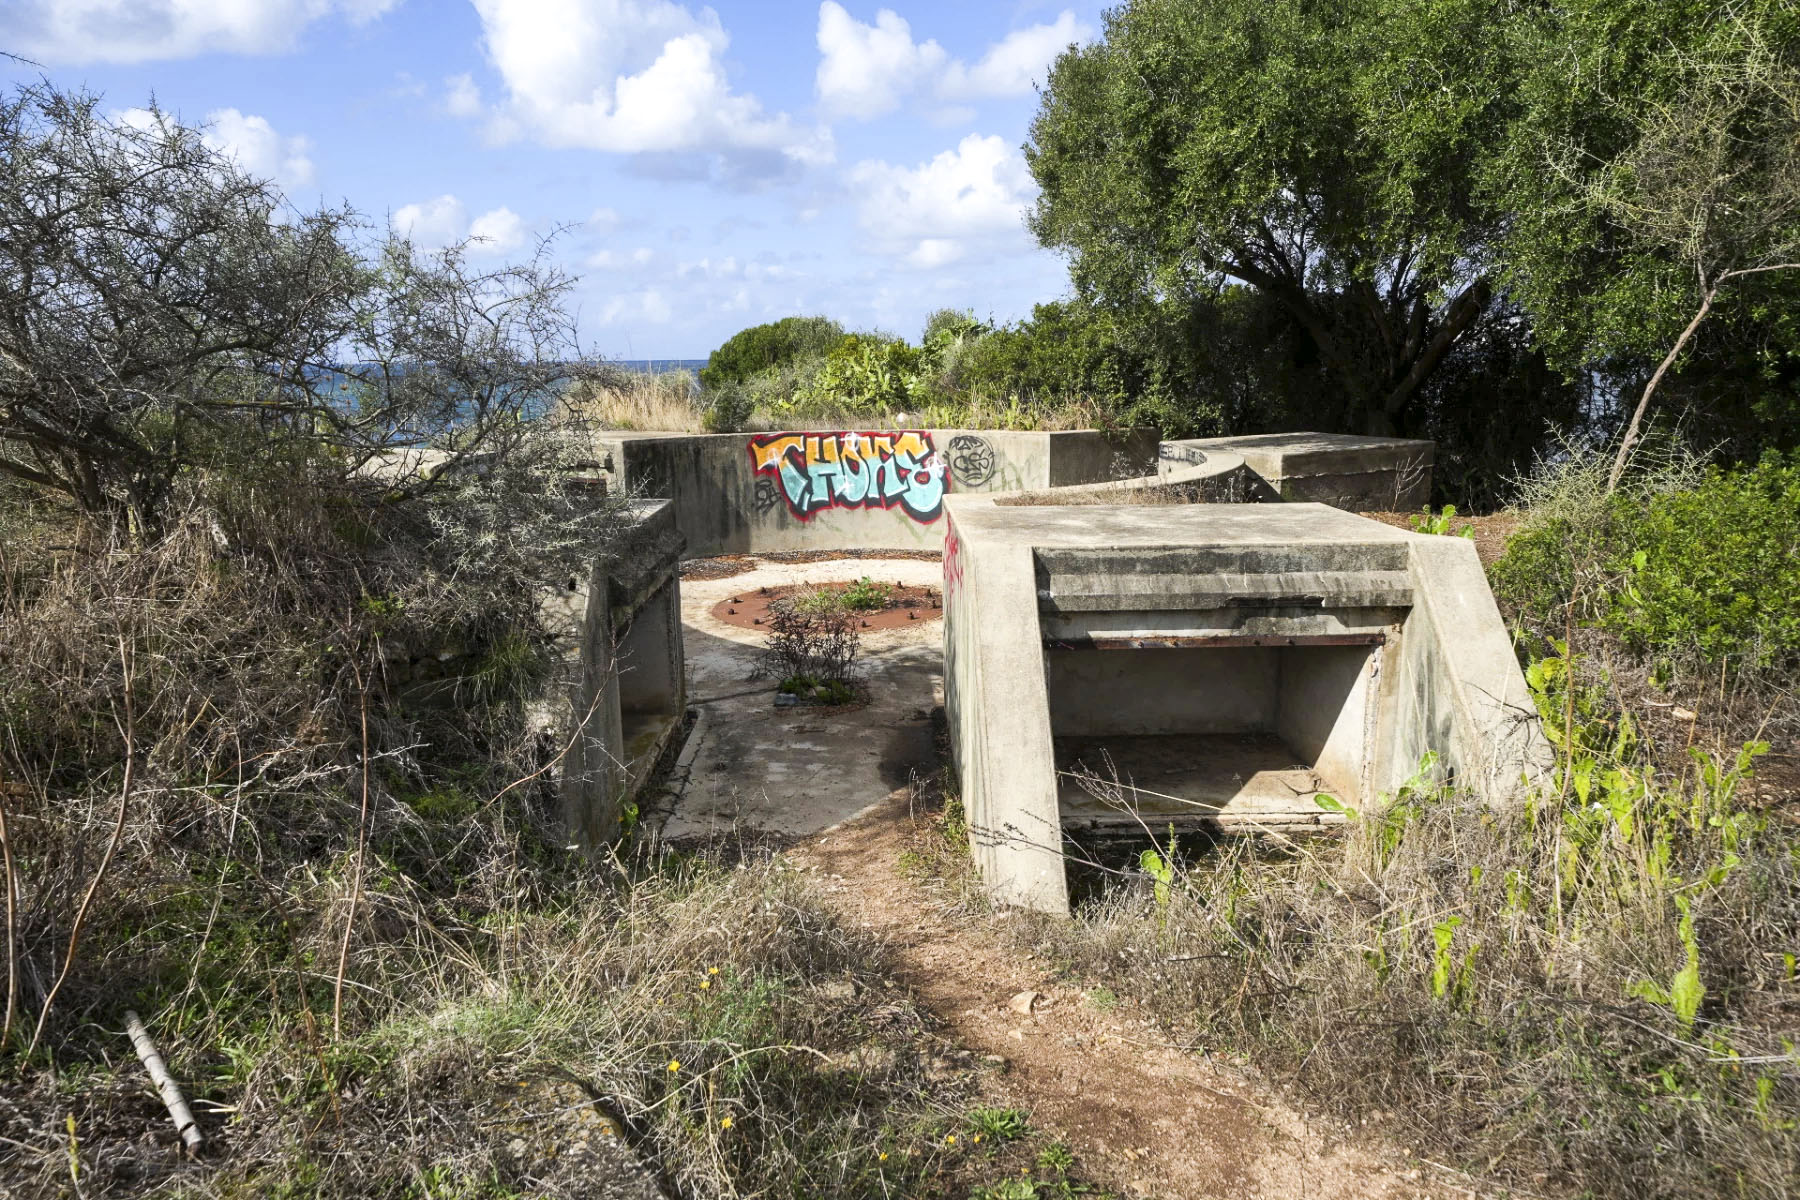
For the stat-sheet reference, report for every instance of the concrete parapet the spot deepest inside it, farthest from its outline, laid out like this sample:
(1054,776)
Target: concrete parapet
(833,490)
(1112,668)
(621,694)
(1215,478)
(1342,470)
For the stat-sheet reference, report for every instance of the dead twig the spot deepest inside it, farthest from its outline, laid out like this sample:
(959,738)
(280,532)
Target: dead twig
(362,845)
(129,730)
(12,921)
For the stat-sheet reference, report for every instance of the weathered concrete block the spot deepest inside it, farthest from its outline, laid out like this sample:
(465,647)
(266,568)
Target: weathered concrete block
(1114,667)
(621,694)
(1342,470)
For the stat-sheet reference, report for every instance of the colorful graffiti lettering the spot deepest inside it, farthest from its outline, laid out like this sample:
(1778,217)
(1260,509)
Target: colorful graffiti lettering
(817,471)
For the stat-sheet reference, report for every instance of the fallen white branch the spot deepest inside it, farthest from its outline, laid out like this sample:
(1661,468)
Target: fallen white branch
(172,1099)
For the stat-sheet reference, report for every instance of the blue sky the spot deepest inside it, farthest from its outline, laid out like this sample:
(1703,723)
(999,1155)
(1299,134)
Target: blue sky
(714,166)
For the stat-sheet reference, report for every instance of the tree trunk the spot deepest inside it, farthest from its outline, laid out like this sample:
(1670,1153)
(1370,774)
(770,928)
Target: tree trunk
(1637,417)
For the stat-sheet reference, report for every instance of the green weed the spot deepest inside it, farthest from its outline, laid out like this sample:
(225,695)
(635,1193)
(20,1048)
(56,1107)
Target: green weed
(1440,522)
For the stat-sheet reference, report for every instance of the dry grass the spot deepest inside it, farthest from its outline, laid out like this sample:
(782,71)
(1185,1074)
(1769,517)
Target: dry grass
(1490,987)
(716,1019)
(197,706)
(666,402)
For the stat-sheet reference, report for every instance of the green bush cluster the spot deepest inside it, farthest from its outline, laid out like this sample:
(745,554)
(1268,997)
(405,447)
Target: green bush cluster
(1069,363)
(1716,571)
(1708,573)
(764,347)
(864,373)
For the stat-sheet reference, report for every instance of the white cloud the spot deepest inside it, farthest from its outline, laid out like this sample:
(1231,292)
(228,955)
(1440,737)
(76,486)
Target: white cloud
(649,306)
(630,76)
(436,223)
(967,199)
(461,97)
(1015,63)
(935,252)
(258,150)
(433,223)
(61,31)
(867,70)
(498,232)
(615,260)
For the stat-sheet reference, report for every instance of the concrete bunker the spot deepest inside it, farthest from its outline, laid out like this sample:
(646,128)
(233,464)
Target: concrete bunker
(1113,668)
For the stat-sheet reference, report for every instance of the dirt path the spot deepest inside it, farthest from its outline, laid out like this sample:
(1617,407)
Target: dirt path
(1147,1118)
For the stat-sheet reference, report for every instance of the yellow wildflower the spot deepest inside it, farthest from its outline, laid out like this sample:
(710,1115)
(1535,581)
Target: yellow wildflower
(726,1123)
(674,1064)
(712,970)
(951,1140)
(705,983)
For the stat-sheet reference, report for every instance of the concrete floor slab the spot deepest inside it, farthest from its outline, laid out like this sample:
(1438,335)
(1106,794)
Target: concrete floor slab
(1204,780)
(759,770)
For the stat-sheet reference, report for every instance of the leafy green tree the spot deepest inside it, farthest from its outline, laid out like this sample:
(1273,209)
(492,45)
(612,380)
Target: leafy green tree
(749,352)
(1656,165)
(1324,154)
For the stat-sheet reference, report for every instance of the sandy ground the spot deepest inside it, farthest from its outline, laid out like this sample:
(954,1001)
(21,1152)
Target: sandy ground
(1147,1118)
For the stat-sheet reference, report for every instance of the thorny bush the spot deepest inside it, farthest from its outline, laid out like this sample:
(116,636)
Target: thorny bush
(816,642)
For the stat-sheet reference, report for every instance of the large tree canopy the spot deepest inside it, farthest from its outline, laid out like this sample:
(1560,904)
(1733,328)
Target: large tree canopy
(1652,175)
(1323,153)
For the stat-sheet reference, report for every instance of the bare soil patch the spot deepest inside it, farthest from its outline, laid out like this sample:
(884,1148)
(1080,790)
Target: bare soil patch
(1490,533)
(906,605)
(726,565)
(1146,1116)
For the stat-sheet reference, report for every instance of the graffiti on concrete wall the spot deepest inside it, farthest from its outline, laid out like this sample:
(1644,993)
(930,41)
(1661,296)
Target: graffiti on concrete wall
(817,471)
(972,460)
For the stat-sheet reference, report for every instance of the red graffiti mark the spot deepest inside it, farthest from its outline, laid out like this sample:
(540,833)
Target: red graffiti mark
(816,471)
(953,564)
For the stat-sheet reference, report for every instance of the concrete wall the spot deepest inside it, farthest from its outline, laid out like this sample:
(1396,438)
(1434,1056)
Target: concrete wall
(998,707)
(1358,474)
(620,696)
(873,489)
(1100,693)
(1318,699)
(1459,692)
(1326,713)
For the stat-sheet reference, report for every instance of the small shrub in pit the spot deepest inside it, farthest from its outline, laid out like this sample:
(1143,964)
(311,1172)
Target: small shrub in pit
(1440,522)
(812,647)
